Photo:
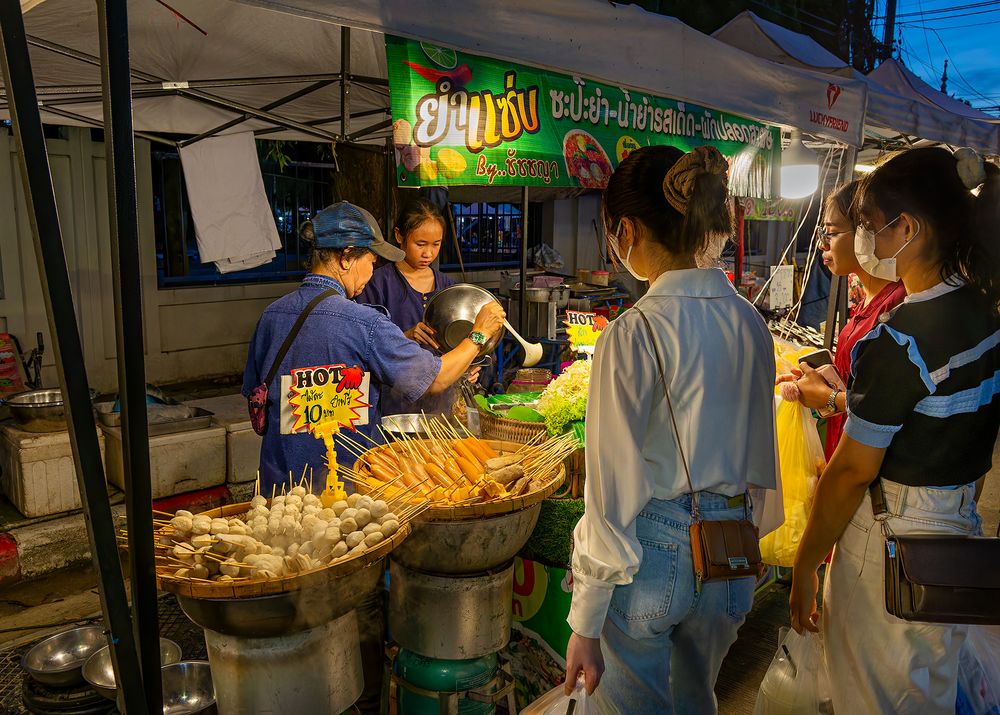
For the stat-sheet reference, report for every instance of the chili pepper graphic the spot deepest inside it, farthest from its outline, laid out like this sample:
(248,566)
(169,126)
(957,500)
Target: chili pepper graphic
(350,378)
(459,77)
(600,322)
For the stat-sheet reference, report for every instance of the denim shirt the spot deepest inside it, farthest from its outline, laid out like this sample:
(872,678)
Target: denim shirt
(338,331)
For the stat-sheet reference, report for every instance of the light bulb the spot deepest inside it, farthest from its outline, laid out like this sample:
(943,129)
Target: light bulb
(799,169)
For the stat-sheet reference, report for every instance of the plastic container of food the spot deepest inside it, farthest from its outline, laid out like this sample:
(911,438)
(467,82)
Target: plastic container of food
(599,278)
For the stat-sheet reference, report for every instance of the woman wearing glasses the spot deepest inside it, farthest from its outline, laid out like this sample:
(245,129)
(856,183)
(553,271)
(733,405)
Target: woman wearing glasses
(836,240)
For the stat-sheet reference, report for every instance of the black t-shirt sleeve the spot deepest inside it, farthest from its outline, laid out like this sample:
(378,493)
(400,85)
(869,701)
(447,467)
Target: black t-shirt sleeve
(889,378)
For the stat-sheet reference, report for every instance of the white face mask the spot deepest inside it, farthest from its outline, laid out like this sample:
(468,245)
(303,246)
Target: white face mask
(864,249)
(613,242)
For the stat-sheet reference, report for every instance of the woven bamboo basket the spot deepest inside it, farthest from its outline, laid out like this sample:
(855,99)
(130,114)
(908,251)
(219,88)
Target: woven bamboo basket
(508,430)
(251,588)
(484,509)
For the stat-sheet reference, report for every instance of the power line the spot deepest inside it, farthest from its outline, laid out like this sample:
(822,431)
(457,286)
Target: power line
(948,10)
(957,70)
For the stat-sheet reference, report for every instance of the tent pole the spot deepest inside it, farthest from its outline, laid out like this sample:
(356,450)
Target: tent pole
(522,303)
(345,82)
(39,196)
(327,120)
(100,125)
(189,93)
(123,223)
(267,107)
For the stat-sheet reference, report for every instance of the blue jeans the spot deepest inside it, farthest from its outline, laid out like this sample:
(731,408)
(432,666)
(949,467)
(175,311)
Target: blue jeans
(663,641)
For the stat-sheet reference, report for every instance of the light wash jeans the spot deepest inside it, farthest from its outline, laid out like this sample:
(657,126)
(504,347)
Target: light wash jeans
(879,663)
(663,642)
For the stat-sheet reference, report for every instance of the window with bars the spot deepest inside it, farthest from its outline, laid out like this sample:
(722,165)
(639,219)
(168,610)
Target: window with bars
(490,234)
(298,184)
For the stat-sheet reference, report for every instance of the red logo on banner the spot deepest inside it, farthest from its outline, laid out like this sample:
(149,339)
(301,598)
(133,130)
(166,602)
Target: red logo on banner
(832,94)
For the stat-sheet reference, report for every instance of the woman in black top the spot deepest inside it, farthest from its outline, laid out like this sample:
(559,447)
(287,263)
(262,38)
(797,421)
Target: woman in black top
(923,414)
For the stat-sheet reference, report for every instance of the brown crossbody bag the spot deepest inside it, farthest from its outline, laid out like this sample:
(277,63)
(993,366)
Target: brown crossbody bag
(720,549)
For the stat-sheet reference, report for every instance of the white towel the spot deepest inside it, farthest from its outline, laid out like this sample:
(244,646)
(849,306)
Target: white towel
(233,221)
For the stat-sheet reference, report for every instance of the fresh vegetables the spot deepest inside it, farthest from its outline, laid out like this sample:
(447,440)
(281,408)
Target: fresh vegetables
(565,398)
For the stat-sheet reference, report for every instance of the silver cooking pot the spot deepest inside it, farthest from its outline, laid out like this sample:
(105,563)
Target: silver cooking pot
(39,410)
(452,313)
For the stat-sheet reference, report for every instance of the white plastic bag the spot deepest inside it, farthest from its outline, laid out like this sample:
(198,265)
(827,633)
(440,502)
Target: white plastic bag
(556,702)
(979,672)
(796,682)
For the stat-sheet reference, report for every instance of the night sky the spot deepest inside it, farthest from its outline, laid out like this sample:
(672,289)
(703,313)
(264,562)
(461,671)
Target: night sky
(965,32)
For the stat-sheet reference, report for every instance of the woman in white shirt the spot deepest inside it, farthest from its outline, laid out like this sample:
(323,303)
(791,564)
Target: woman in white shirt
(635,598)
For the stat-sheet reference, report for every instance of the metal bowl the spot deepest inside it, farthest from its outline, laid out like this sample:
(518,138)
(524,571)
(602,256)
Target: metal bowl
(100,674)
(59,659)
(469,546)
(452,313)
(187,687)
(39,410)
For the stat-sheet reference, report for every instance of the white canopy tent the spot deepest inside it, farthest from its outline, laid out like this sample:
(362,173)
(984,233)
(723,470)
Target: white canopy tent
(201,63)
(899,102)
(618,44)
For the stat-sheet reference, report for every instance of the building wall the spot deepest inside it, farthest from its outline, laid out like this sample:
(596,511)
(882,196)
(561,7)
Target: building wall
(189,332)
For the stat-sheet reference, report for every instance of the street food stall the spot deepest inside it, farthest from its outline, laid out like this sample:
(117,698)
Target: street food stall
(482,119)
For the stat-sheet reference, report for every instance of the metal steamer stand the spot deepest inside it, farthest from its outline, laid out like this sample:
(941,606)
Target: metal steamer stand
(288,644)
(450,603)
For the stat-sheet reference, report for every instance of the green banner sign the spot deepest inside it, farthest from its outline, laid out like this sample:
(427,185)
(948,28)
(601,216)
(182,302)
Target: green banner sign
(463,119)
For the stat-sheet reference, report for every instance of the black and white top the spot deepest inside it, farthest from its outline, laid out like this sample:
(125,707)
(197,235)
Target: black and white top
(924,386)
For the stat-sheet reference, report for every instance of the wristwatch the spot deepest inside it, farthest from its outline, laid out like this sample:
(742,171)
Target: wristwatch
(831,404)
(478,338)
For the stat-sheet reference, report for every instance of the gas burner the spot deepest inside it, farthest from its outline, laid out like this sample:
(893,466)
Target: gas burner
(80,700)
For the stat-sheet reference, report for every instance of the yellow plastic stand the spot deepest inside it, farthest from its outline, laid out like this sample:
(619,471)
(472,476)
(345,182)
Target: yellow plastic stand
(334,490)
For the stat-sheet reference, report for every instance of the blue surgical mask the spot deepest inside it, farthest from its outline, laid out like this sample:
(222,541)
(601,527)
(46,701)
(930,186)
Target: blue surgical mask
(613,242)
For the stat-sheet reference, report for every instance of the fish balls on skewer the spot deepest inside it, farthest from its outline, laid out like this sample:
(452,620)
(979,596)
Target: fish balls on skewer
(348,525)
(363,517)
(201,541)
(339,507)
(365,502)
(378,509)
(355,538)
(373,539)
(199,571)
(220,526)
(182,524)
(258,501)
(372,528)
(299,491)
(229,568)
(333,534)
(353,499)
(348,513)
(328,514)
(201,524)
(183,512)
(339,550)
(389,528)
(311,500)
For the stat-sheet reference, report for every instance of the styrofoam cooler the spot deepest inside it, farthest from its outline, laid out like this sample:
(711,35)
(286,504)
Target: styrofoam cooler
(178,463)
(242,443)
(37,473)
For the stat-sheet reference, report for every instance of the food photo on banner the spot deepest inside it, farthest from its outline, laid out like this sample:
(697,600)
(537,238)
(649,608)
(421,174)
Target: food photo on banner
(463,119)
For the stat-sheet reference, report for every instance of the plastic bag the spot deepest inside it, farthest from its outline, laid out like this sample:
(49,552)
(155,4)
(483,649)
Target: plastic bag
(800,453)
(796,682)
(556,702)
(979,672)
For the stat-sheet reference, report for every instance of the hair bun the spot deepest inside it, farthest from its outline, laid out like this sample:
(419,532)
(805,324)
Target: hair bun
(679,183)
(970,167)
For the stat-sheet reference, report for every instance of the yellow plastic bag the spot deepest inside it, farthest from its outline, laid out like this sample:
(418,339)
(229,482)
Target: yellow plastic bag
(800,453)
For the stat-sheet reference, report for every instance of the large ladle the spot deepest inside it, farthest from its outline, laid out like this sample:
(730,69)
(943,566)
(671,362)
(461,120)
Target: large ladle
(532,351)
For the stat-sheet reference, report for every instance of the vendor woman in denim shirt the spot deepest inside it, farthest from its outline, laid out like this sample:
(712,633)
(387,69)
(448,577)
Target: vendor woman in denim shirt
(405,286)
(345,241)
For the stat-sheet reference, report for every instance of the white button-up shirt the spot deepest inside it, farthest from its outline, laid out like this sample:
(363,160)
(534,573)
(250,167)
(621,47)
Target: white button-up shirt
(719,364)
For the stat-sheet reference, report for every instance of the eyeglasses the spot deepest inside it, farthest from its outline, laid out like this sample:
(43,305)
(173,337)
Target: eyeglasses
(824,234)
